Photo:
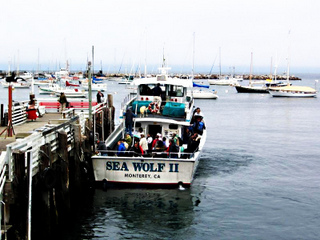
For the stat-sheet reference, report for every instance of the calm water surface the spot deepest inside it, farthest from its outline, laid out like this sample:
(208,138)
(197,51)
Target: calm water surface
(258,178)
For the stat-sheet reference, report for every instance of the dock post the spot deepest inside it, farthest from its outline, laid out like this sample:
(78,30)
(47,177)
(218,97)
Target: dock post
(62,186)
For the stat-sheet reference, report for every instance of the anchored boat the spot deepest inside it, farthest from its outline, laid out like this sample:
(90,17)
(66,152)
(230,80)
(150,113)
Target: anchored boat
(167,115)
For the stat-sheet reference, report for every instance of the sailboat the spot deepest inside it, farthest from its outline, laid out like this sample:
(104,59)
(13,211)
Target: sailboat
(251,88)
(292,91)
(201,91)
(225,80)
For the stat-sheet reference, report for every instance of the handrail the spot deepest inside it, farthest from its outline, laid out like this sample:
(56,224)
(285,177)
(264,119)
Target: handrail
(153,154)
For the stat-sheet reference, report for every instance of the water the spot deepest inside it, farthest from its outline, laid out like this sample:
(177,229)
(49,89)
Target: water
(258,178)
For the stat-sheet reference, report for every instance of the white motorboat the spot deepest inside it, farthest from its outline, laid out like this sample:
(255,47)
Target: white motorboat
(157,167)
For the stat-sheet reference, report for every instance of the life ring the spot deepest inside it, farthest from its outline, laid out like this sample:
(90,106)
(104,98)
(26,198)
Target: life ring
(153,107)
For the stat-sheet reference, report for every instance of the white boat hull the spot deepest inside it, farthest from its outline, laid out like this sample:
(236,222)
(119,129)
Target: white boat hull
(293,91)
(72,94)
(224,82)
(16,85)
(140,170)
(204,95)
(95,87)
(291,94)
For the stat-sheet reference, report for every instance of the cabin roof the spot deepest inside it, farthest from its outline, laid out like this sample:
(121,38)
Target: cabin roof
(163,81)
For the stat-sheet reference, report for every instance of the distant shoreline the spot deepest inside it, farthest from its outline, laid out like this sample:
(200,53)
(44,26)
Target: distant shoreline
(185,76)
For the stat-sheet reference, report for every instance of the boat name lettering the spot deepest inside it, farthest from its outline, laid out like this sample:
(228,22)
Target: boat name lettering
(141,167)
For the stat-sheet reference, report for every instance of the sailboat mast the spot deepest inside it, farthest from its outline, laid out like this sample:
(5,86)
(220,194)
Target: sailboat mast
(251,64)
(220,62)
(270,75)
(288,60)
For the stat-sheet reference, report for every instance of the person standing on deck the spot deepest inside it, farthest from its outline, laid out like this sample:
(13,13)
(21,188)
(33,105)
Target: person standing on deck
(129,120)
(143,143)
(157,91)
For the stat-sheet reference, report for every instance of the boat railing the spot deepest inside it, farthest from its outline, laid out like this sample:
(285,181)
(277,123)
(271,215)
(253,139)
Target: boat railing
(153,154)
(127,100)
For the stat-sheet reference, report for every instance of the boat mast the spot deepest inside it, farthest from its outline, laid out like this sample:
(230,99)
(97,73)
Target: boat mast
(288,61)
(220,62)
(250,76)
(270,75)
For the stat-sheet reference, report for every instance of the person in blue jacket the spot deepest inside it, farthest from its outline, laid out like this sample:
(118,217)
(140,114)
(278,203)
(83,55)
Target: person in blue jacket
(198,126)
(121,148)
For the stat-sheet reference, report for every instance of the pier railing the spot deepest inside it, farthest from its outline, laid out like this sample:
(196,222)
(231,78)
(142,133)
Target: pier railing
(34,142)
(19,114)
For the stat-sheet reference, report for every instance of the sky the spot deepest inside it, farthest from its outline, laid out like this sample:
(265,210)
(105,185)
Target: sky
(190,34)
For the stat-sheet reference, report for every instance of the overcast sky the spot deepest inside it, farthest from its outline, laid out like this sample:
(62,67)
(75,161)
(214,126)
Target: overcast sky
(126,33)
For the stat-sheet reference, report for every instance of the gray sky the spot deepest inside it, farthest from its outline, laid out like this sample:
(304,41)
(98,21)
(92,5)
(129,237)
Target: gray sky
(125,33)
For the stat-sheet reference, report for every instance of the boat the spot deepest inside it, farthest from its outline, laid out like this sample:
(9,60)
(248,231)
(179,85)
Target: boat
(56,89)
(50,89)
(25,75)
(226,81)
(126,80)
(201,91)
(252,87)
(71,92)
(44,82)
(95,87)
(172,116)
(293,91)
(204,94)
(18,83)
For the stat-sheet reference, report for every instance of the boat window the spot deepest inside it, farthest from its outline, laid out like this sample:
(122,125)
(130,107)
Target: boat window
(138,124)
(173,126)
(161,78)
(176,91)
(145,89)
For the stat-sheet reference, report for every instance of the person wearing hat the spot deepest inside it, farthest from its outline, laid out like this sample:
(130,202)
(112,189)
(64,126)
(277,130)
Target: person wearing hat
(100,97)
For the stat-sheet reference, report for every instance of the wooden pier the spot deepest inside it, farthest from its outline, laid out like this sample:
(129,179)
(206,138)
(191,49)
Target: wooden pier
(45,165)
